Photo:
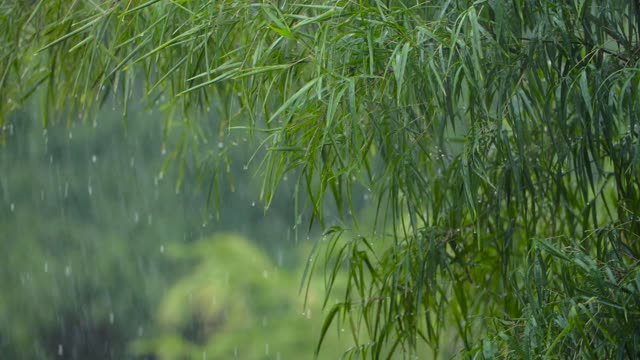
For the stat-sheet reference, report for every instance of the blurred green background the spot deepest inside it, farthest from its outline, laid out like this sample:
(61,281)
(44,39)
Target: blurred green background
(105,257)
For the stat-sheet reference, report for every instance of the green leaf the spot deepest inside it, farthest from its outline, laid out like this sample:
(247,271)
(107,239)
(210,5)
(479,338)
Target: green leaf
(325,326)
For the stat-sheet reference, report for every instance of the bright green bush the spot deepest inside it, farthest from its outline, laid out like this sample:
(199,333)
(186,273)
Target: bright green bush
(235,303)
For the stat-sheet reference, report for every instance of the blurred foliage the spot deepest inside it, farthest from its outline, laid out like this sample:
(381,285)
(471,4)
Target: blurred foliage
(81,260)
(499,142)
(87,215)
(236,304)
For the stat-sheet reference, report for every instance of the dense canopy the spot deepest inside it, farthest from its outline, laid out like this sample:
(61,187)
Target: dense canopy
(499,141)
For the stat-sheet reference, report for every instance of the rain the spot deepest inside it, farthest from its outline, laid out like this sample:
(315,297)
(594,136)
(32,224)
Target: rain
(106,257)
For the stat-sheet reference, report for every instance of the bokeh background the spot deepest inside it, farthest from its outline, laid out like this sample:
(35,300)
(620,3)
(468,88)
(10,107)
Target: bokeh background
(115,246)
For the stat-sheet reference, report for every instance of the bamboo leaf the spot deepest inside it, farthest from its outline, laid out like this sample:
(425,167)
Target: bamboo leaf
(293,98)
(327,323)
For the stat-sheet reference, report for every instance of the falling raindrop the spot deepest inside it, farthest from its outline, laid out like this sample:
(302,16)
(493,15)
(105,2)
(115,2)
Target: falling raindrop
(46,267)
(140,331)
(94,158)
(149,219)
(90,189)
(111,318)
(136,217)
(67,270)
(220,145)
(60,352)
(12,207)
(162,248)
(253,203)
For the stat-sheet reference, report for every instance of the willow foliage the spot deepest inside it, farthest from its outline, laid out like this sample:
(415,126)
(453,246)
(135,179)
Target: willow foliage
(499,139)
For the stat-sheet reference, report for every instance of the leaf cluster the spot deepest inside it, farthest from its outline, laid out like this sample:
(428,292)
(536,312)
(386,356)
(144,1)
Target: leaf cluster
(479,126)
